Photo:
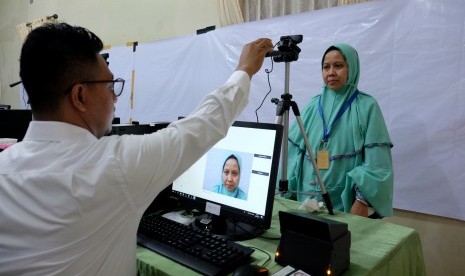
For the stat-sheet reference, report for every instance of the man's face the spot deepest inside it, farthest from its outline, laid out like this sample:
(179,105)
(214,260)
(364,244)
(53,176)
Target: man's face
(102,106)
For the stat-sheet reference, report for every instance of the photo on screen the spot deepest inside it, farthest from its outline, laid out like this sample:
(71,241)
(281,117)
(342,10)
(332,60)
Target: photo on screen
(213,179)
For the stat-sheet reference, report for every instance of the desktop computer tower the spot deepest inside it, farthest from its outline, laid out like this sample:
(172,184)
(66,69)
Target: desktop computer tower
(313,244)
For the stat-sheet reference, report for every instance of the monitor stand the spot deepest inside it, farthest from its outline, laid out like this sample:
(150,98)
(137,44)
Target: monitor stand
(228,229)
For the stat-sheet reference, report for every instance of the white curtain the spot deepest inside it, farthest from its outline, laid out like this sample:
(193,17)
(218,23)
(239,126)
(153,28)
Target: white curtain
(232,12)
(229,12)
(395,40)
(261,9)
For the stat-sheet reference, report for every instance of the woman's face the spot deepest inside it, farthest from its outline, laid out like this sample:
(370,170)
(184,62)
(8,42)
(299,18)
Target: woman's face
(231,174)
(334,70)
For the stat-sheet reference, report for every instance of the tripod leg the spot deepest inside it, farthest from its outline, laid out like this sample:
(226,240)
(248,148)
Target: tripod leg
(283,182)
(325,195)
(283,118)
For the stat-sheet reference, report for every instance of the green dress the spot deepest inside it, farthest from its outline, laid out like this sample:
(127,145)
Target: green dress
(358,144)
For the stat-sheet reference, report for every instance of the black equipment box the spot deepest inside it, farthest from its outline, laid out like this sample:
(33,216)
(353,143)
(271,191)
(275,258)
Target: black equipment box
(313,244)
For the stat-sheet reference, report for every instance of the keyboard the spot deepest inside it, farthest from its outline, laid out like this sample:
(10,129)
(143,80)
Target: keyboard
(194,248)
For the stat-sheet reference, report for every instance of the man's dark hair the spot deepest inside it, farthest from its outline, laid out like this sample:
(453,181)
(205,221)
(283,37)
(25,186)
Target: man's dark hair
(53,58)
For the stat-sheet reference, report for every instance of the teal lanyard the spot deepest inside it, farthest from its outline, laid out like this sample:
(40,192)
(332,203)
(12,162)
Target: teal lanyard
(326,130)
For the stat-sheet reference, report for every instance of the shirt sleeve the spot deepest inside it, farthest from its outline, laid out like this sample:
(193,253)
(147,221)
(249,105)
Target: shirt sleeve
(151,162)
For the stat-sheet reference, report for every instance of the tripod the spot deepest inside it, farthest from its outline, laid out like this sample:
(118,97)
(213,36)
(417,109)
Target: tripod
(282,113)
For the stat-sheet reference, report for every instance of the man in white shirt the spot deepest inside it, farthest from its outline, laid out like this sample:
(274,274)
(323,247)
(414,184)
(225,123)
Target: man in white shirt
(71,198)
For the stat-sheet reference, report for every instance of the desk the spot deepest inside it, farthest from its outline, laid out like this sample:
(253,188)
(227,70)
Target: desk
(378,247)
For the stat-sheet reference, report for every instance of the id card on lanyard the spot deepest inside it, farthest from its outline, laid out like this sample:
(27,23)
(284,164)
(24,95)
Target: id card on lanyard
(322,154)
(323,159)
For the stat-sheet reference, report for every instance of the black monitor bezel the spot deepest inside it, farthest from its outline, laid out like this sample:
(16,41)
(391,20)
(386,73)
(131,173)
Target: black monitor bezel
(14,123)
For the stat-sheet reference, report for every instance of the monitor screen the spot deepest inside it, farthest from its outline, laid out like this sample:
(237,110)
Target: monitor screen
(235,181)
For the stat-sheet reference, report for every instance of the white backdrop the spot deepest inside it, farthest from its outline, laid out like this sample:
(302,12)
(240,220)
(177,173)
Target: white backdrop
(412,55)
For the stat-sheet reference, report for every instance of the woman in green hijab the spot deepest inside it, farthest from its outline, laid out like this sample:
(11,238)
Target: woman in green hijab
(349,138)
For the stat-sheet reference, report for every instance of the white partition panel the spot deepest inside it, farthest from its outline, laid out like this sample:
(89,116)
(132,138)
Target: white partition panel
(412,60)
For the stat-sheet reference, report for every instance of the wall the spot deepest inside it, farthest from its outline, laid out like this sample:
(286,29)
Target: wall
(11,13)
(115,22)
(118,22)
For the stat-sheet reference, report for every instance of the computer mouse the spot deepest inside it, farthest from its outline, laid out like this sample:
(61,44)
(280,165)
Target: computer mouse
(250,269)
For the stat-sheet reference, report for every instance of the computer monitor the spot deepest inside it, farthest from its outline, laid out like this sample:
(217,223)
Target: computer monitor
(14,123)
(257,146)
(121,129)
(156,126)
(138,129)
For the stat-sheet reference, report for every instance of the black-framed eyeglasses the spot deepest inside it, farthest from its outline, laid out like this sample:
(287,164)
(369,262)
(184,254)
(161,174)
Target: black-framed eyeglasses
(117,85)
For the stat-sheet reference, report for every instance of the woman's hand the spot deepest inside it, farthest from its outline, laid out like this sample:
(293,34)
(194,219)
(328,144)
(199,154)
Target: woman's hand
(359,208)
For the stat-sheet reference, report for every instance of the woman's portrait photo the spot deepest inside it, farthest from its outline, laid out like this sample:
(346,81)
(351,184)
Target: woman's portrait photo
(233,170)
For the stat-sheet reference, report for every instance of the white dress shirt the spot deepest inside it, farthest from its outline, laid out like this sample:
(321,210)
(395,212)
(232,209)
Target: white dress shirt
(70,204)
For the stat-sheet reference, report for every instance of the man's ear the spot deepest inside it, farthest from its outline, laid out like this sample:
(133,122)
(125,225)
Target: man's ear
(79,97)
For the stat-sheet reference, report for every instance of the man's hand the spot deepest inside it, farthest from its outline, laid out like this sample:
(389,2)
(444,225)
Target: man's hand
(253,54)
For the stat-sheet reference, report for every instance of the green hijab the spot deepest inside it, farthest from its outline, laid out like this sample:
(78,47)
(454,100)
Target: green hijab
(333,100)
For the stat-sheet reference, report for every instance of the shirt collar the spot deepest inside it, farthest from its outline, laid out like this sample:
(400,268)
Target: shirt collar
(56,131)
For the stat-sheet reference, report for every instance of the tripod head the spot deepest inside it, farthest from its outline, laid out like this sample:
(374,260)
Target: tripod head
(287,49)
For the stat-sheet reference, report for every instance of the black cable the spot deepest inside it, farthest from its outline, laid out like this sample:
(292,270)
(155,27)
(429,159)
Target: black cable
(269,256)
(269,91)
(271,238)
(269,85)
